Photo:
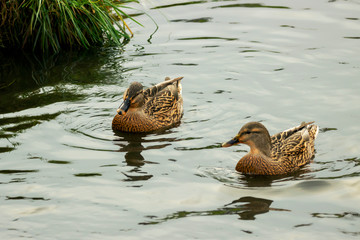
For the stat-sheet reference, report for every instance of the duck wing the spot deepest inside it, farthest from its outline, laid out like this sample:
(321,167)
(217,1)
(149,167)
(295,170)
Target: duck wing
(297,142)
(161,100)
(155,90)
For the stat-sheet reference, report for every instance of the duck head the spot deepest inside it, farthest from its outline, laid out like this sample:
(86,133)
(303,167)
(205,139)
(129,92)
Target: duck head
(255,135)
(133,98)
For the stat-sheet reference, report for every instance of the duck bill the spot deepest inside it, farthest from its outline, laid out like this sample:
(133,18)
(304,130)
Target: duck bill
(124,107)
(233,141)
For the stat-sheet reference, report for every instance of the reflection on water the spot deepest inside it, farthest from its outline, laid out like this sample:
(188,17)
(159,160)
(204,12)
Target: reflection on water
(13,126)
(132,145)
(349,215)
(267,181)
(235,179)
(178,4)
(277,62)
(14,171)
(250,5)
(14,175)
(245,207)
(26,198)
(254,206)
(196,20)
(28,81)
(87,174)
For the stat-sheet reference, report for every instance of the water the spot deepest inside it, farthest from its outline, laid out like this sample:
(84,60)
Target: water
(65,174)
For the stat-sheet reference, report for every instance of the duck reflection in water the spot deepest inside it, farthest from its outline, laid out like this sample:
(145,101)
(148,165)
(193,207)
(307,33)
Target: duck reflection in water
(132,145)
(252,207)
(266,181)
(245,207)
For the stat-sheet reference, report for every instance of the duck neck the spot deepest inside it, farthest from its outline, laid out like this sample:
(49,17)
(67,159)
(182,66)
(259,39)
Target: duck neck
(262,146)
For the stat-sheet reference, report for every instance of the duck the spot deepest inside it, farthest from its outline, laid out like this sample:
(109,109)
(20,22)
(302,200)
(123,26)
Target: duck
(280,154)
(151,109)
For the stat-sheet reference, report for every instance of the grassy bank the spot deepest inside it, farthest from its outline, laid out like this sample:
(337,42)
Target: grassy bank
(50,25)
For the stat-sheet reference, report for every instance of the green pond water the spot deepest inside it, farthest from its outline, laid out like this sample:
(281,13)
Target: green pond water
(64,174)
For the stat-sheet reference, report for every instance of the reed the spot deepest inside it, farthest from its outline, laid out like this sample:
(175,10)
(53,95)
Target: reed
(50,25)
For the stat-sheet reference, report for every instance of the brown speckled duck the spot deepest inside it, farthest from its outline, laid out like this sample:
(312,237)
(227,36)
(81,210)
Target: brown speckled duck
(157,107)
(282,153)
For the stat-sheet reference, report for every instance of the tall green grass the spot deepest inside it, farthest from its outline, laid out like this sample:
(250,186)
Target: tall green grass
(50,25)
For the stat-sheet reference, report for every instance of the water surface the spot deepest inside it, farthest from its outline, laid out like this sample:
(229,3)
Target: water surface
(65,174)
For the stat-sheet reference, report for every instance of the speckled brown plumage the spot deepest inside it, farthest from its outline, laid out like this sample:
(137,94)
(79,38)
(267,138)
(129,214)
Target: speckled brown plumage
(157,107)
(281,153)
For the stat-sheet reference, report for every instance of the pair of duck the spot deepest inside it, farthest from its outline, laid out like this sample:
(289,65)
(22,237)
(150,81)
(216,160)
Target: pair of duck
(161,106)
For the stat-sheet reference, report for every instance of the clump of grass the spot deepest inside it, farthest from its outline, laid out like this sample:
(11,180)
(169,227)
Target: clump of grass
(50,25)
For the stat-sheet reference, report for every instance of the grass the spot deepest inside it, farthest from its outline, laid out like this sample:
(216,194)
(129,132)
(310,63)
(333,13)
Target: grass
(50,25)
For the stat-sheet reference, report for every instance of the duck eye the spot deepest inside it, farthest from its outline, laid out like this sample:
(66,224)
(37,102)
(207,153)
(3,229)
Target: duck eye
(135,96)
(126,94)
(245,133)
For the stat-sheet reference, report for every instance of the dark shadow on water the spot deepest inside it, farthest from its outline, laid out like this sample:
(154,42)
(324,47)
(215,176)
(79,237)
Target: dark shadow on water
(250,5)
(254,206)
(208,38)
(27,198)
(245,207)
(10,127)
(338,168)
(235,179)
(196,20)
(179,4)
(351,217)
(29,81)
(267,181)
(87,174)
(257,181)
(327,129)
(132,145)
(16,171)
(15,174)
(23,76)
